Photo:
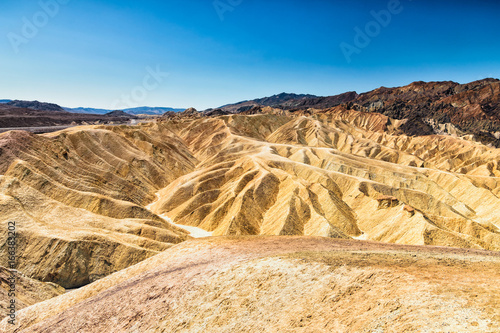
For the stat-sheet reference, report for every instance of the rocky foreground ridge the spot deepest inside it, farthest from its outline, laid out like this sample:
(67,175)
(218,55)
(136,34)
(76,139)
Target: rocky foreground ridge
(284,284)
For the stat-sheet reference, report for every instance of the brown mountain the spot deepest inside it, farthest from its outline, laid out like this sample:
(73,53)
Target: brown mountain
(473,108)
(289,101)
(428,107)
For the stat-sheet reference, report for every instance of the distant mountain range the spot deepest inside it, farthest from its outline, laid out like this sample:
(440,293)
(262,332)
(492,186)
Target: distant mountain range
(133,111)
(40,106)
(38,116)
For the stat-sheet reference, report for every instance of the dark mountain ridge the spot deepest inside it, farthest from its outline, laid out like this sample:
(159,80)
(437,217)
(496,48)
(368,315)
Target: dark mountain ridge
(17,117)
(36,105)
(472,108)
(120,114)
(133,111)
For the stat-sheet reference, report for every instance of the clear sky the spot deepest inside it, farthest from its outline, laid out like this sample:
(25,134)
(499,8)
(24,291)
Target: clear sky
(101,53)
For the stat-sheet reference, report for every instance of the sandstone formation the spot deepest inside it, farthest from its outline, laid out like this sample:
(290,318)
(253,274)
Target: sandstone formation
(284,284)
(79,196)
(324,174)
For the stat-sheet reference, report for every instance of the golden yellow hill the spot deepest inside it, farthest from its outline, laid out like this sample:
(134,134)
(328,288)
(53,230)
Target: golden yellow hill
(332,174)
(77,199)
(79,196)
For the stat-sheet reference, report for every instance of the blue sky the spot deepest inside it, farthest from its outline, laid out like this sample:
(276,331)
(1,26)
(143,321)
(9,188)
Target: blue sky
(99,53)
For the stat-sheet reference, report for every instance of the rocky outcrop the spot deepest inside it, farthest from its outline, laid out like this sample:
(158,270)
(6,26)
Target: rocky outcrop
(473,108)
(387,201)
(426,108)
(189,112)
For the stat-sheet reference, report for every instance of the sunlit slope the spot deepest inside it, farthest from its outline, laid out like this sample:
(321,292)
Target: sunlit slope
(79,196)
(321,175)
(77,199)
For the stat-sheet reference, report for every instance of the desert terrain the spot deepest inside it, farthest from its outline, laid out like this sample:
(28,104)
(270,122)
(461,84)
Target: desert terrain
(316,218)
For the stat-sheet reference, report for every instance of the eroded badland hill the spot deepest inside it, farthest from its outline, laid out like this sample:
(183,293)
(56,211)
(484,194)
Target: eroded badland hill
(103,207)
